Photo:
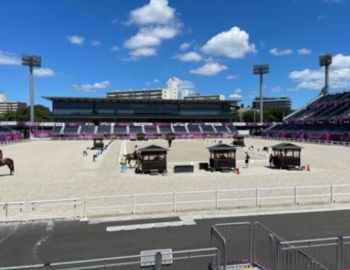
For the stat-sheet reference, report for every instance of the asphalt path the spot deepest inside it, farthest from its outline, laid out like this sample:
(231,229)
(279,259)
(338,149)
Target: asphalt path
(57,241)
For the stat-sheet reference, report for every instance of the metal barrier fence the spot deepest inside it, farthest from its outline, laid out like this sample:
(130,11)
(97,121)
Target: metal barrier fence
(321,142)
(331,253)
(174,202)
(198,259)
(247,245)
(14,142)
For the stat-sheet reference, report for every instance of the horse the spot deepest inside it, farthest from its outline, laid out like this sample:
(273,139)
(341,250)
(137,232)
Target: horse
(9,162)
(130,157)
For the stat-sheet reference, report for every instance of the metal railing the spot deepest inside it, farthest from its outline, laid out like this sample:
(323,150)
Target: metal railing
(197,259)
(175,202)
(320,142)
(245,245)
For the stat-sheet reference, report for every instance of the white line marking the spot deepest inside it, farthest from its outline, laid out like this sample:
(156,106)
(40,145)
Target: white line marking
(146,226)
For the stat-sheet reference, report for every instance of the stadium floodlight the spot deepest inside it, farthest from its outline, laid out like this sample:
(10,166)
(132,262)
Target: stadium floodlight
(261,70)
(31,61)
(326,61)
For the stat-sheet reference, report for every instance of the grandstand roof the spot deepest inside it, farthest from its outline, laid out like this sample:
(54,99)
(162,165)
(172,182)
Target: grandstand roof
(114,100)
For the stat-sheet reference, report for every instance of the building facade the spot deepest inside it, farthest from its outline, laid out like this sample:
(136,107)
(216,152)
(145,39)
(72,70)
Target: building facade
(281,102)
(97,110)
(205,97)
(170,92)
(6,106)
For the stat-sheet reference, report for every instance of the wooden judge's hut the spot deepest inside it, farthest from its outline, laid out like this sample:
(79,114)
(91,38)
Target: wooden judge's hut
(238,140)
(98,143)
(154,159)
(141,136)
(222,157)
(286,155)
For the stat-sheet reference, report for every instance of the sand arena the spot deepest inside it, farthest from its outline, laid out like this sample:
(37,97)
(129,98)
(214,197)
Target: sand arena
(47,170)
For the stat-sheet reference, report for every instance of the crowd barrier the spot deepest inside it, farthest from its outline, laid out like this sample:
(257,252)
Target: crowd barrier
(168,202)
(14,141)
(320,142)
(196,259)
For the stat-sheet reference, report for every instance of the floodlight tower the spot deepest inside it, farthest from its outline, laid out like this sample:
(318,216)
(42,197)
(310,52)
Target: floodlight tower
(31,61)
(326,61)
(261,69)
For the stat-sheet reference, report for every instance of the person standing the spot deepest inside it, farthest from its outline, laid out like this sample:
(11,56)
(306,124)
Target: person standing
(1,157)
(170,140)
(271,160)
(123,164)
(136,152)
(247,157)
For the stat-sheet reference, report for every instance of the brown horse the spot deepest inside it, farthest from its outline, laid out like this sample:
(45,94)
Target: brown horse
(130,157)
(9,162)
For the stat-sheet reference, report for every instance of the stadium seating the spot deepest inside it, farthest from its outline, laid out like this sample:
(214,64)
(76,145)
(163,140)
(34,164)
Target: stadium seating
(5,130)
(326,119)
(151,130)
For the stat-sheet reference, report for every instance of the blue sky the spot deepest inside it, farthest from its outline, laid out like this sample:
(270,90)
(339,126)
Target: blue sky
(90,47)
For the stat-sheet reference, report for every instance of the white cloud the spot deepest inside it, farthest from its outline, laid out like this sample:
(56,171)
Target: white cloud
(7,58)
(156,81)
(233,44)
(157,22)
(44,72)
(332,1)
(209,69)
(156,12)
(76,40)
(232,77)
(189,57)
(236,94)
(143,52)
(114,21)
(276,89)
(92,88)
(278,52)
(184,84)
(96,43)
(115,49)
(150,37)
(304,51)
(339,76)
(340,61)
(185,46)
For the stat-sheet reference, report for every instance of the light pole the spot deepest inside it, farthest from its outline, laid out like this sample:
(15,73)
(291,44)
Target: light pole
(261,69)
(326,61)
(31,61)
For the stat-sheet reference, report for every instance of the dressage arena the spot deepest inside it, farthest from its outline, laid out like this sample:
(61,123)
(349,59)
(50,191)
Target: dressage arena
(54,170)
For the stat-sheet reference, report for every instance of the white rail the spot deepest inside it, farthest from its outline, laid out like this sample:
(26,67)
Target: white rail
(83,208)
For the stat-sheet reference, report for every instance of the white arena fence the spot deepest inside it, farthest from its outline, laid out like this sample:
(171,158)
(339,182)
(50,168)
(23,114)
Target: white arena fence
(320,142)
(168,202)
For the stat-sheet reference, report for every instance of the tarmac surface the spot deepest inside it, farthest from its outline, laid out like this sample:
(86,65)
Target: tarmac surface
(57,241)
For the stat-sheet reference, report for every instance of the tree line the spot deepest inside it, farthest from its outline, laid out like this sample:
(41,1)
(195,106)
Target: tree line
(23,114)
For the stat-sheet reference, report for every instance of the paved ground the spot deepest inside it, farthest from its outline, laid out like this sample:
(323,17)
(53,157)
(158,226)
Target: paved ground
(41,242)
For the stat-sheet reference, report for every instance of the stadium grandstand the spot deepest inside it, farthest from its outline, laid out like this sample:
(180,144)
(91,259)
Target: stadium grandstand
(326,118)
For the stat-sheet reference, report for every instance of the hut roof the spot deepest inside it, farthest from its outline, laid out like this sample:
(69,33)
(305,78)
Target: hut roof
(153,148)
(239,136)
(222,146)
(286,146)
(99,138)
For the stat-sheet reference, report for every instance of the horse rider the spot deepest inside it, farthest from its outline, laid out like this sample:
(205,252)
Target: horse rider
(1,157)
(136,152)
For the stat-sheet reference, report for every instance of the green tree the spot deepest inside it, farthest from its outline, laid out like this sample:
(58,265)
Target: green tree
(23,114)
